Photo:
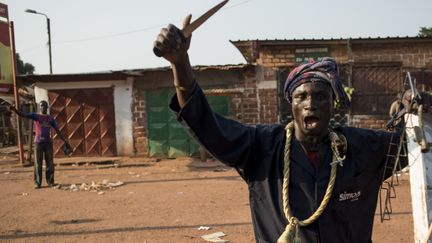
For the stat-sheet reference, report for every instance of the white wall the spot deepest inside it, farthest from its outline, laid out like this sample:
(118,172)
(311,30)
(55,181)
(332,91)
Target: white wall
(40,94)
(419,170)
(122,106)
(123,117)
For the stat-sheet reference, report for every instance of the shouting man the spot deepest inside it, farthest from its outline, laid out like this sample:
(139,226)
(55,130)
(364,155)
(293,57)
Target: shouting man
(307,182)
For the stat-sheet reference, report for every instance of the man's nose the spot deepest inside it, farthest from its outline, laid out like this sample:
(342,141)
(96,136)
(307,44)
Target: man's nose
(311,103)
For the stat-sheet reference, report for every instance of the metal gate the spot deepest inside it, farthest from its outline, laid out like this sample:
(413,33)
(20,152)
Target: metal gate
(166,137)
(375,87)
(86,117)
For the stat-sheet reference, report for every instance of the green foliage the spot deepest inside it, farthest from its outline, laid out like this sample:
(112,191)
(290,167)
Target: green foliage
(425,32)
(24,68)
(349,91)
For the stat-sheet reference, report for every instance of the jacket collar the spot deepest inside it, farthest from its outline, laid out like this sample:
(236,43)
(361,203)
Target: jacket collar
(299,157)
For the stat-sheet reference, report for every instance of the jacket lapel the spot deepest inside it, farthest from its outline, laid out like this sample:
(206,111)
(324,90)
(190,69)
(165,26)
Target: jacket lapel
(325,158)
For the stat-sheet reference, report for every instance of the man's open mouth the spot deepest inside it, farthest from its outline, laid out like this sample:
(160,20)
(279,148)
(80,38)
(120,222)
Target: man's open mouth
(311,121)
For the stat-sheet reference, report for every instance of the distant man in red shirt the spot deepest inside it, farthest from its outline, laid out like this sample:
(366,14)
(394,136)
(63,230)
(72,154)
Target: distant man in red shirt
(43,142)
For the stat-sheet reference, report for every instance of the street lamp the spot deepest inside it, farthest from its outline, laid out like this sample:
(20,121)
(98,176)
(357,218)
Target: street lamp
(49,34)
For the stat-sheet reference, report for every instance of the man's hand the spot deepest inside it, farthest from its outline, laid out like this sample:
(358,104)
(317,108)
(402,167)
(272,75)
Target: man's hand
(172,43)
(407,100)
(12,108)
(67,149)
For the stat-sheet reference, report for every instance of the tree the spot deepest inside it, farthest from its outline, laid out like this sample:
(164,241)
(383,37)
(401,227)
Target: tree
(425,32)
(24,68)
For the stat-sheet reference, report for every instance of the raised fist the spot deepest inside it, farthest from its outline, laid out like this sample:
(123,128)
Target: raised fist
(171,43)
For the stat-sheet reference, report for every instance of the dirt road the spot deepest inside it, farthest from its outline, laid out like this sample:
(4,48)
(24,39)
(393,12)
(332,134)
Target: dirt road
(164,201)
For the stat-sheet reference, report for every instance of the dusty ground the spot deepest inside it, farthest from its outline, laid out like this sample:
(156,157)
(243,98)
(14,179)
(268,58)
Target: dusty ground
(162,201)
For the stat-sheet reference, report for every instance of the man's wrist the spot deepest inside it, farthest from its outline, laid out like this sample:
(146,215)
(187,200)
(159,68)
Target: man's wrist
(181,59)
(185,87)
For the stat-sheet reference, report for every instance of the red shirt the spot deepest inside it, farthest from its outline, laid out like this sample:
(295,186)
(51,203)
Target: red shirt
(42,124)
(313,158)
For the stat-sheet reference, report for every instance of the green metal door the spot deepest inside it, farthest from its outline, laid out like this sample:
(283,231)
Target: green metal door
(157,120)
(166,137)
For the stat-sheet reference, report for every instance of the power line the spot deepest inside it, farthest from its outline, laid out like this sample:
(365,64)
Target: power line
(108,36)
(238,4)
(31,49)
(135,31)
(127,32)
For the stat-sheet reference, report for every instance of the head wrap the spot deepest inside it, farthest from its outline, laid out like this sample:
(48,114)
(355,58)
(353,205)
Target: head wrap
(325,71)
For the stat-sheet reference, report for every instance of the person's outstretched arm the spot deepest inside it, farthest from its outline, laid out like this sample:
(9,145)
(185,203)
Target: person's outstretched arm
(68,148)
(174,45)
(61,136)
(20,113)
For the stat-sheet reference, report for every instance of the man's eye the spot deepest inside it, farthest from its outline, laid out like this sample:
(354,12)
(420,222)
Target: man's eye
(300,96)
(322,96)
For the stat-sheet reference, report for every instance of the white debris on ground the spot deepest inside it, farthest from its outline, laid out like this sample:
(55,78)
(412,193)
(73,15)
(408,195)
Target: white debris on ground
(204,228)
(99,187)
(215,237)
(134,174)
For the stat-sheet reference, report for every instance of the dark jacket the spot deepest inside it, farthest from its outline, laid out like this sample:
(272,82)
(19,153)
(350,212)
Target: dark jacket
(257,154)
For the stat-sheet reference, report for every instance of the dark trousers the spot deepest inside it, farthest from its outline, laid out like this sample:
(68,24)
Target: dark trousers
(44,150)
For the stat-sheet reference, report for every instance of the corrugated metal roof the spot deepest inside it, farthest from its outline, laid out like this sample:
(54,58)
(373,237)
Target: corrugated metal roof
(217,92)
(222,67)
(108,72)
(250,48)
(117,75)
(139,72)
(338,39)
(96,76)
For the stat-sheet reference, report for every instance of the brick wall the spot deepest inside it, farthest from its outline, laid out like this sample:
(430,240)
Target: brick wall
(283,56)
(254,105)
(250,103)
(411,56)
(267,101)
(276,56)
(139,123)
(268,106)
(371,122)
(237,104)
(258,104)
(245,106)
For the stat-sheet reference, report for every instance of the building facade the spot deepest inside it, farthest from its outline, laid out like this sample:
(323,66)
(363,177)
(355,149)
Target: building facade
(126,113)
(92,110)
(374,67)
